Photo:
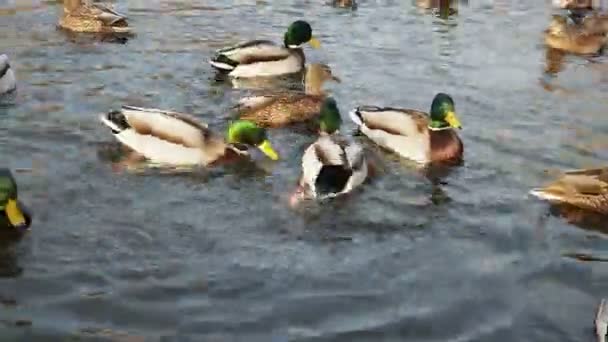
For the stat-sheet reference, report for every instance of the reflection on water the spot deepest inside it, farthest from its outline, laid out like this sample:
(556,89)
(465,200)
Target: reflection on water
(200,255)
(9,263)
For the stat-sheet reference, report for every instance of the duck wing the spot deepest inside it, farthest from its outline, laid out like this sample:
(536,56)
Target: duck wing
(403,131)
(254,102)
(107,14)
(394,121)
(587,189)
(248,53)
(332,165)
(165,136)
(177,128)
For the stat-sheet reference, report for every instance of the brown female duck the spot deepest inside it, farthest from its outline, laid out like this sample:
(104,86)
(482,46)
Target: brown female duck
(586,189)
(414,134)
(85,17)
(289,108)
(574,38)
(576,4)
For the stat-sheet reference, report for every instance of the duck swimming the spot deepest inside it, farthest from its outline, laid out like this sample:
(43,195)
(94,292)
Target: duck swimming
(586,189)
(332,165)
(413,134)
(173,138)
(85,17)
(282,109)
(263,58)
(574,38)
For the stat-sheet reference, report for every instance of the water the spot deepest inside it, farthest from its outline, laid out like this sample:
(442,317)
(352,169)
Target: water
(218,256)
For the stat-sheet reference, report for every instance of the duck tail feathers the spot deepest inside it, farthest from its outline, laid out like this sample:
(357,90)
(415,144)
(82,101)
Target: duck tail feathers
(222,62)
(545,195)
(116,121)
(355,116)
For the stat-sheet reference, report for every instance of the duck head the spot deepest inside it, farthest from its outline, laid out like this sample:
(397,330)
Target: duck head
(246,132)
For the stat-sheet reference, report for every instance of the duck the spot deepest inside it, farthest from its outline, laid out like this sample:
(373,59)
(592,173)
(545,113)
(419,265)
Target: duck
(85,17)
(289,107)
(345,3)
(179,139)
(263,58)
(331,166)
(576,4)
(413,134)
(14,216)
(8,84)
(585,189)
(573,38)
(437,5)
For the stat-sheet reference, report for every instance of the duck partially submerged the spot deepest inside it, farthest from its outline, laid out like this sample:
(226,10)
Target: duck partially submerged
(8,84)
(576,4)
(446,6)
(586,189)
(575,38)
(13,214)
(173,138)
(263,58)
(332,165)
(288,108)
(84,17)
(345,3)
(414,134)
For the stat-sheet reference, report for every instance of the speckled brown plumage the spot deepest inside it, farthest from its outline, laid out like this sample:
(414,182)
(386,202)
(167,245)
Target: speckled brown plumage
(92,18)
(576,39)
(290,107)
(285,110)
(586,189)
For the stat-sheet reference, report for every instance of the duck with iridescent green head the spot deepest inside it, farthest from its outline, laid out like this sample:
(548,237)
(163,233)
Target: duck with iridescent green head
(179,139)
(13,214)
(263,58)
(332,165)
(413,134)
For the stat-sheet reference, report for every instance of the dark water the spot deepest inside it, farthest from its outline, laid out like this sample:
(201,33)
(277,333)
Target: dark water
(217,256)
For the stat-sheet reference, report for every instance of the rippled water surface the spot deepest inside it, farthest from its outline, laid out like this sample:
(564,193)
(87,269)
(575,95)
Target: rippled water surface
(218,256)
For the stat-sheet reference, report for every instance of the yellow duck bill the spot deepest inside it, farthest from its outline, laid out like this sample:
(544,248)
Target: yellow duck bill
(14,214)
(452,120)
(314,43)
(266,147)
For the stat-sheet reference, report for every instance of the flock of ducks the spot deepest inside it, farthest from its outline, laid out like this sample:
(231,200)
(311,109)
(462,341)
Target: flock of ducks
(333,165)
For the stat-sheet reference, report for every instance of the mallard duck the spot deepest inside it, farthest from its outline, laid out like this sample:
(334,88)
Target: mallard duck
(414,134)
(13,213)
(172,138)
(85,17)
(263,58)
(586,189)
(332,165)
(288,108)
(573,38)
(7,77)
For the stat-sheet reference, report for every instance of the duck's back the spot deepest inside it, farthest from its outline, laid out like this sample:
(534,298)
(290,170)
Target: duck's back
(402,131)
(285,110)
